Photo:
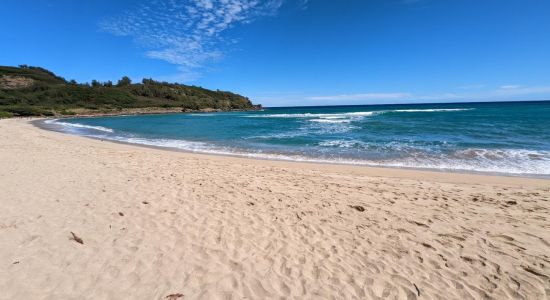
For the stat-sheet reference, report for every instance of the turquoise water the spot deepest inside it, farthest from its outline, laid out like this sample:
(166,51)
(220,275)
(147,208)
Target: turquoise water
(509,138)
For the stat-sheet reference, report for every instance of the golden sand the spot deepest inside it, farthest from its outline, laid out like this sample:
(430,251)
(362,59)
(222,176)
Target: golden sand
(86,219)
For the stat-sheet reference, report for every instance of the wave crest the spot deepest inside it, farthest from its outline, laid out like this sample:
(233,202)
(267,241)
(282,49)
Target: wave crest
(80,126)
(313,115)
(358,114)
(431,110)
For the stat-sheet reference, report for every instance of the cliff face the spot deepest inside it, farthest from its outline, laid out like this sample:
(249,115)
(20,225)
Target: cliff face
(10,82)
(29,91)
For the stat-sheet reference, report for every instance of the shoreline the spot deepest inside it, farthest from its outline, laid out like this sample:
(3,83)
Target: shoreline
(115,221)
(144,111)
(403,172)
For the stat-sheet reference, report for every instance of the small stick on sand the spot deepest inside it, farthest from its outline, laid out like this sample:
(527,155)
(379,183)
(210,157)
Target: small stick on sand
(174,296)
(417,289)
(76,238)
(358,207)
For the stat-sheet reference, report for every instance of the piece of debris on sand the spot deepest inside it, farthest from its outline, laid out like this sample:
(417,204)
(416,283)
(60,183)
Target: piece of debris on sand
(358,207)
(76,238)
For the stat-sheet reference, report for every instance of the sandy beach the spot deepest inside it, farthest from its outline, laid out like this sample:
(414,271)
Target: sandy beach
(155,224)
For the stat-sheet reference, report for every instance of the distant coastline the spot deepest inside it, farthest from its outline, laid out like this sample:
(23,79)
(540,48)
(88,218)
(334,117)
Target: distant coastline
(35,91)
(143,111)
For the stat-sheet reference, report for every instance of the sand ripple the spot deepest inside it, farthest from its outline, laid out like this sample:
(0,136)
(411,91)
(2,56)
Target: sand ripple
(158,223)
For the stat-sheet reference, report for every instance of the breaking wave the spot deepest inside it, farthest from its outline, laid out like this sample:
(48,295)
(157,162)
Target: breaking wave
(313,115)
(431,110)
(79,126)
(421,137)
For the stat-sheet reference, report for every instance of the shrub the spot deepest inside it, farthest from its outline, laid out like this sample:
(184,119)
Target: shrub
(65,112)
(5,114)
(27,111)
(22,111)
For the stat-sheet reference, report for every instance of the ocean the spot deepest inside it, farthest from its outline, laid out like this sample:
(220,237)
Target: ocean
(511,138)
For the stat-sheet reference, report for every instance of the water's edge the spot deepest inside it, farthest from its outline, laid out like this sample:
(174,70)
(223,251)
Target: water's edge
(41,124)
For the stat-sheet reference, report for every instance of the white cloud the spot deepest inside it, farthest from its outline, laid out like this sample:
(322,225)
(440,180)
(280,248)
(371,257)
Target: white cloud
(183,75)
(504,92)
(501,93)
(303,4)
(384,97)
(510,86)
(187,33)
(518,90)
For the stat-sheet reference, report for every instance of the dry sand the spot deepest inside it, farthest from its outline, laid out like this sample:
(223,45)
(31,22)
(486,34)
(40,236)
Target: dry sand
(155,223)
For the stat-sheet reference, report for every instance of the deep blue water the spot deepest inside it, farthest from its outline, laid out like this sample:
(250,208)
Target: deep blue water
(511,138)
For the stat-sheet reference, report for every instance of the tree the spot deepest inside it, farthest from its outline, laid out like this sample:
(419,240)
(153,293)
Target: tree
(95,83)
(124,81)
(148,81)
(108,84)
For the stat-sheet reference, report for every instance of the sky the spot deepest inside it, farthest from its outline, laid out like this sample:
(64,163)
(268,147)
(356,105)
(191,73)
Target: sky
(294,52)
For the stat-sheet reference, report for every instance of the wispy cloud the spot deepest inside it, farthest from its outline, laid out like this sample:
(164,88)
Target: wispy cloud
(187,33)
(510,87)
(303,4)
(500,93)
(394,97)
(518,90)
(503,92)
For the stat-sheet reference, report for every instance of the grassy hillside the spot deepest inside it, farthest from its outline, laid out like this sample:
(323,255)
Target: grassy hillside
(34,91)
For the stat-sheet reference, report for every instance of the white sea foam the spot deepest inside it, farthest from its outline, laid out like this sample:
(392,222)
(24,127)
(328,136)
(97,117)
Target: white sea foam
(340,143)
(503,154)
(355,152)
(331,121)
(313,115)
(503,161)
(431,110)
(352,115)
(511,161)
(280,135)
(522,166)
(78,125)
(314,128)
(166,143)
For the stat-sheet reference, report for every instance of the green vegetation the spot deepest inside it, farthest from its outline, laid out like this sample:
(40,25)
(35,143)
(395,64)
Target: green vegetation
(5,114)
(34,91)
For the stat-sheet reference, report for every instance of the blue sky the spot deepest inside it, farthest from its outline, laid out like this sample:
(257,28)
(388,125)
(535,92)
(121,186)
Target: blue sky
(294,52)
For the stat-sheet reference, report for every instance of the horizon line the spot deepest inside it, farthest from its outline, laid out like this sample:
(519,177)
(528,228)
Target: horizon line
(412,103)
